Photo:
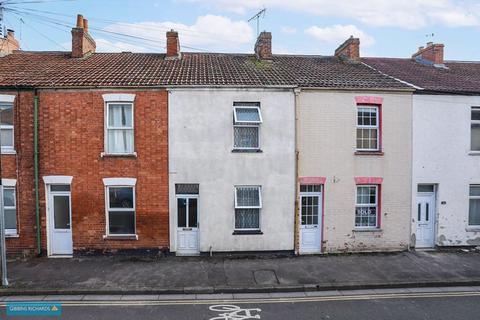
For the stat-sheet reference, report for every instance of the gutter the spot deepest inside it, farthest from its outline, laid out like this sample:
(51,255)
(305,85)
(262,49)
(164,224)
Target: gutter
(35,161)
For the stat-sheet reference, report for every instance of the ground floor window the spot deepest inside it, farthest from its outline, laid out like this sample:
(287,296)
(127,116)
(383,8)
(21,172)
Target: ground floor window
(248,203)
(474,210)
(366,211)
(121,210)
(10,209)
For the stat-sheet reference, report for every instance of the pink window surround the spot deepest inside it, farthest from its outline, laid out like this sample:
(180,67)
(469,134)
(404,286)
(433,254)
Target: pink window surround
(374,101)
(368,180)
(312,180)
(369,100)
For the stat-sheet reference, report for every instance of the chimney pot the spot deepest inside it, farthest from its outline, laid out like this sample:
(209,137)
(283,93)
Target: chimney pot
(263,46)
(350,49)
(173,45)
(432,53)
(79,21)
(85,25)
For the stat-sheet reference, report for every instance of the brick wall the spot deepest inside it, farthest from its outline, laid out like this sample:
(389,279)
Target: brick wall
(71,140)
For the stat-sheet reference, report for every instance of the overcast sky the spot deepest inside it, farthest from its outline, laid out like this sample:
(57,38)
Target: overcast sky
(391,28)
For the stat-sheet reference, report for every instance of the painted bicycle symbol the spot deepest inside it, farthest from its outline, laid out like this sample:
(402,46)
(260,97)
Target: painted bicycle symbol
(231,312)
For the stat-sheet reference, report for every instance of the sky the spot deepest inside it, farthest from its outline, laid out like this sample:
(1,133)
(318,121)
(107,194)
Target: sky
(386,28)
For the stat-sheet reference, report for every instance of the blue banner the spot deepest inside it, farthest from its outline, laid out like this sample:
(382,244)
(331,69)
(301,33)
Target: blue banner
(34,309)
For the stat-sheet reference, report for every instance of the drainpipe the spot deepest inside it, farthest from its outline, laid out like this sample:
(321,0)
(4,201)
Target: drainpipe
(296,237)
(35,160)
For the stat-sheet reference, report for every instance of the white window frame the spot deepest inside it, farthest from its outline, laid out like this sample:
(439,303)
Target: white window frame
(107,128)
(357,205)
(108,209)
(247,124)
(259,207)
(8,149)
(376,127)
(11,184)
(472,198)
(472,122)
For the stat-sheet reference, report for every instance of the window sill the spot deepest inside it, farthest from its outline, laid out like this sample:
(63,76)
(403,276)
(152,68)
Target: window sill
(369,153)
(247,232)
(368,230)
(12,235)
(118,155)
(474,153)
(8,152)
(472,229)
(247,151)
(120,237)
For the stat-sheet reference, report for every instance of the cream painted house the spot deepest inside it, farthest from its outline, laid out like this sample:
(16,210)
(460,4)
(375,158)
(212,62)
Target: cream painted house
(355,145)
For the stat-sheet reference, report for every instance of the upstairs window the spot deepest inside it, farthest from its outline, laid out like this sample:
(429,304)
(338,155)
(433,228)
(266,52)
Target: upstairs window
(475,132)
(366,212)
(474,210)
(247,118)
(119,129)
(248,202)
(6,127)
(368,128)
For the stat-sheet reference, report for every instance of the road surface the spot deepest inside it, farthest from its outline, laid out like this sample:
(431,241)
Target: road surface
(411,304)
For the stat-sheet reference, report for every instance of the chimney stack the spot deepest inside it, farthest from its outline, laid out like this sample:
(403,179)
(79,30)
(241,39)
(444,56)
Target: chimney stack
(82,43)
(350,49)
(8,44)
(173,45)
(432,53)
(263,46)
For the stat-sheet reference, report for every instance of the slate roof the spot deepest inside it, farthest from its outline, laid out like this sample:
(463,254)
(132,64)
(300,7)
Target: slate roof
(457,77)
(57,69)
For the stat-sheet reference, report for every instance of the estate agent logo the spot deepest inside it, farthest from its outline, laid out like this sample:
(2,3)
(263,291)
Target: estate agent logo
(34,309)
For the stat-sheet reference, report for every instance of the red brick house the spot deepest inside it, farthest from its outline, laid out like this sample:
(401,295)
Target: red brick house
(94,137)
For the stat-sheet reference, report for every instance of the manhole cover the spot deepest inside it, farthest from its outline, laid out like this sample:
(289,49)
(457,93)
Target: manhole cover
(265,277)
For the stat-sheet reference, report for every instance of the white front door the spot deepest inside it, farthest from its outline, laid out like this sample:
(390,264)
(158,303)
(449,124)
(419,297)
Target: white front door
(59,220)
(425,220)
(187,225)
(310,223)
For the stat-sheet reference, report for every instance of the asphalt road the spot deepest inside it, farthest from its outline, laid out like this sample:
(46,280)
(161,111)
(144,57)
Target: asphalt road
(382,306)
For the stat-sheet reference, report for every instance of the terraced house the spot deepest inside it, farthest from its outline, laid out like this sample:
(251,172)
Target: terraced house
(354,159)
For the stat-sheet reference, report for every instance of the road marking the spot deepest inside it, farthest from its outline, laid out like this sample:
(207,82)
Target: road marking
(266,300)
(233,312)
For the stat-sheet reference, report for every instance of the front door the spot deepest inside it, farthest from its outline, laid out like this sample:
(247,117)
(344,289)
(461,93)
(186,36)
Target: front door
(59,220)
(425,220)
(187,225)
(310,228)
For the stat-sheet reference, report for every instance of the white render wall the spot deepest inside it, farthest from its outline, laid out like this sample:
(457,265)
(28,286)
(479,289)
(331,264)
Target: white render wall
(327,139)
(441,156)
(200,151)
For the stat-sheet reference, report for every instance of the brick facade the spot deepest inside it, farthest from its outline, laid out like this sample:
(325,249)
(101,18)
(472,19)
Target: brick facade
(71,141)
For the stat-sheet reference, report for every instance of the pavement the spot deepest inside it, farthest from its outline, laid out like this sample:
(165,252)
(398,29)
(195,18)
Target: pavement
(148,275)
